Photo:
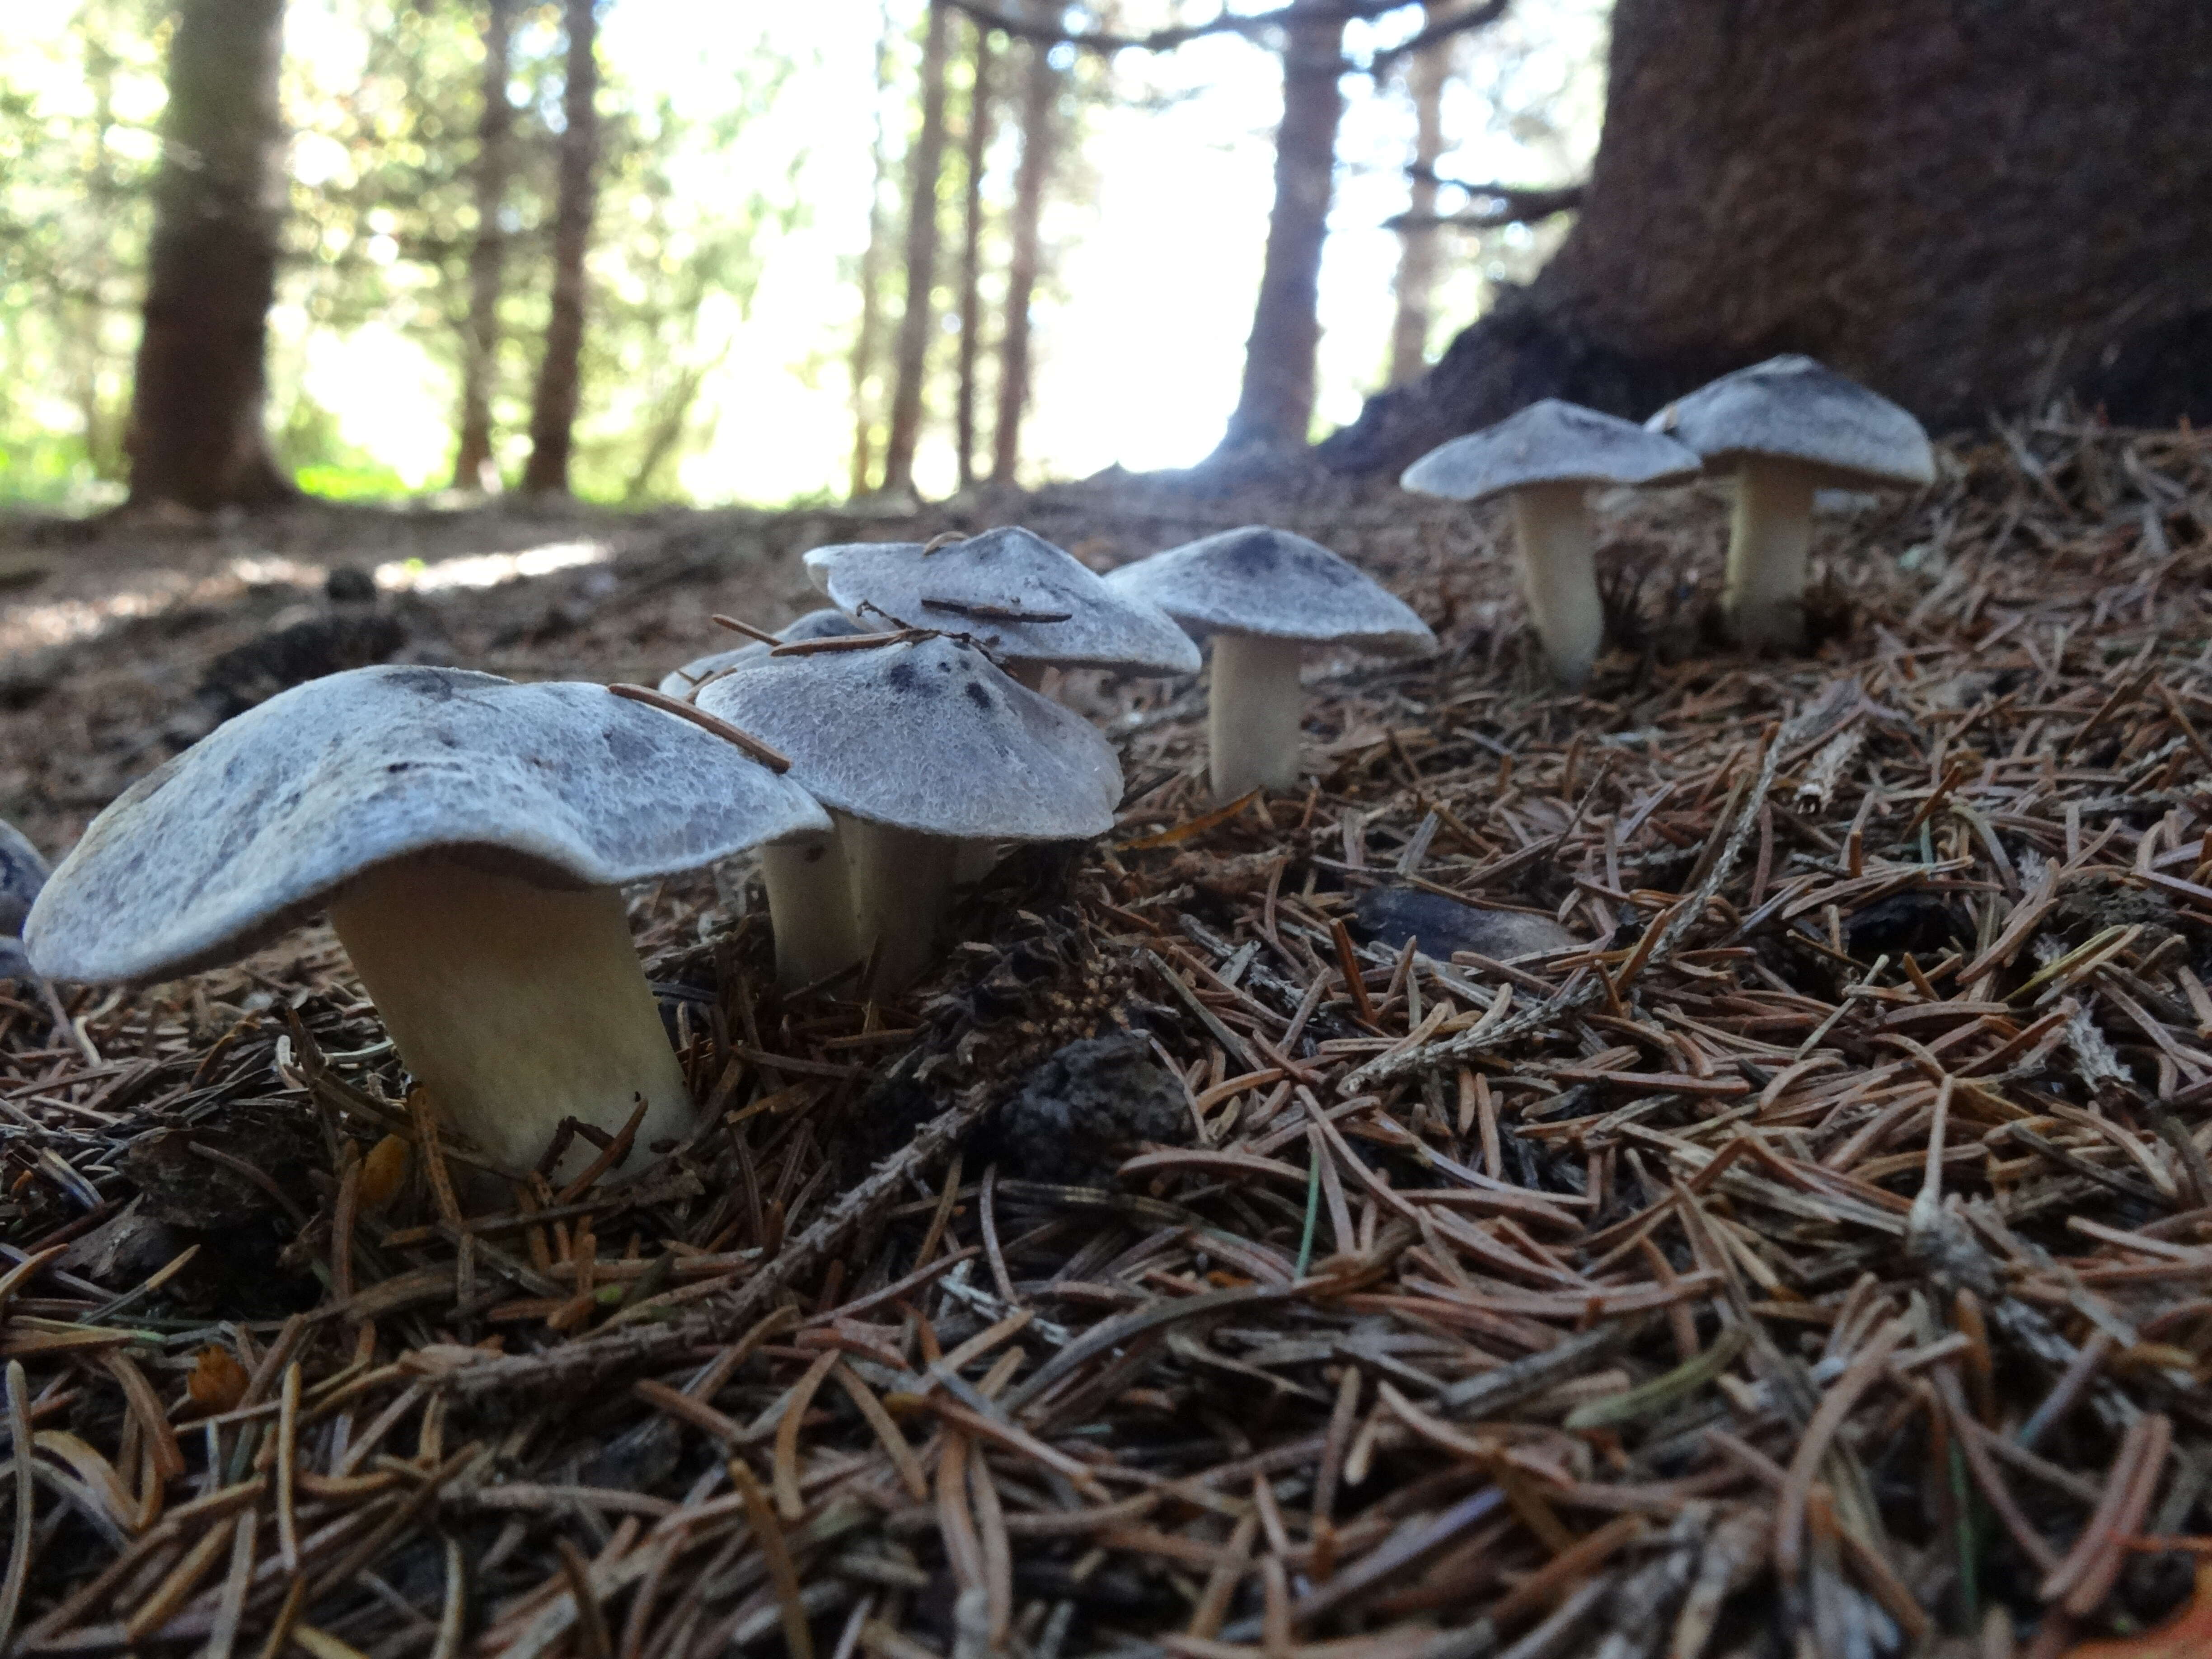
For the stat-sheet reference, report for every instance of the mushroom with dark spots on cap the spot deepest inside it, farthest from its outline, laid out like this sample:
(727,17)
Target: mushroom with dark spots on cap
(1030,605)
(918,747)
(1265,595)
(1786,428)
(469,837)
(1542,460)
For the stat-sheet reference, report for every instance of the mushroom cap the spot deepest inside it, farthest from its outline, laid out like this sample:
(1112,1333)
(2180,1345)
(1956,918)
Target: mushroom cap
(1794,409)
(1550,443)
(928,734)
(1255,579)
(1011,592)
(255,827)
(822,624)
(23,871)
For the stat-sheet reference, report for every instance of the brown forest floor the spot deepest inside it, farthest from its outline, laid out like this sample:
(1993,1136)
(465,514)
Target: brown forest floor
(1806,1254)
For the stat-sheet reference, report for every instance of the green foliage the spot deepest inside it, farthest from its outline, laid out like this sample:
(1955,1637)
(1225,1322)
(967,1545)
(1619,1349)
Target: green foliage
(383,97)
(79,100)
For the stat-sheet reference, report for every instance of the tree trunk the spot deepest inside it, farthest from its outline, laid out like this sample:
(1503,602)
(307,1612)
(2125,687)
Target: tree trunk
(196,422)
(1420,244)
(867,339)
(1275,409)
(553,411)
(915,326)
(1040,92)
(472,462)
(978,141)
(1964,206)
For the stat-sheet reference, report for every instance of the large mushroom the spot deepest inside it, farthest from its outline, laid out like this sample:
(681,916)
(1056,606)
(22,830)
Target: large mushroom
(1266,597)
(822,624)
(1542,460)
(1786,428)
(919,746)
(1030,605)
(469,838)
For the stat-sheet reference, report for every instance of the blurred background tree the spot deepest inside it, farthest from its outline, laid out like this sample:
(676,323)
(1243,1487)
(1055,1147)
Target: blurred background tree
(933,244)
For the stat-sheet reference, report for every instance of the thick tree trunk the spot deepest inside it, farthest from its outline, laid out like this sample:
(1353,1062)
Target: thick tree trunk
(914,325)
(197,435)
(472,462)
(977,141)
(1025,257)
(553,410)
(867,337)
(1420,243)
(1964,206)
(1275,409)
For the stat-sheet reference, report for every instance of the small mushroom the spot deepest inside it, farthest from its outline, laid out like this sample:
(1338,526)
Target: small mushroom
(1786,428)
(1029,604)
(1265,595)
(824,624)
(918,747)
(469,837)
(1543,459)
(22,872)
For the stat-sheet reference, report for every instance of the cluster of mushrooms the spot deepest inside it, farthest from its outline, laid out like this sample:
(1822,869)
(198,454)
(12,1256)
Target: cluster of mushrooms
(469,837)
(1783,429)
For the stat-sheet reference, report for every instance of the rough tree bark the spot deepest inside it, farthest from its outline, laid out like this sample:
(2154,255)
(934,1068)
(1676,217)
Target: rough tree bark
(867,337)
(1965,204)
(1274,409)
(472,462)
(197,435)
(1025,257)
(976,142)
(553,410)
(1420,242)
(912,356)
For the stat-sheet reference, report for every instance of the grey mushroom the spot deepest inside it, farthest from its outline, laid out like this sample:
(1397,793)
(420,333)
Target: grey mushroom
(469,837)
(1266,596)
(918,748)
(822,624)
(1030,605)
(22,872)
(1542,460)
(1786,428)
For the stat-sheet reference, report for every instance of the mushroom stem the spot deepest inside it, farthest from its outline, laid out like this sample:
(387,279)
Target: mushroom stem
(810,905)
(1764,594)
(515,1006)
(902,889)
(1253,713)
(1557,578)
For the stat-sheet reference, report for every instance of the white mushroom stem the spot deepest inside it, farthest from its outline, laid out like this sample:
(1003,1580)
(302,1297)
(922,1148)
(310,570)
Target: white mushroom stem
(1557,578)
(515,1006)
(902,889)
(810,905)
(1764,595)
(1253,712)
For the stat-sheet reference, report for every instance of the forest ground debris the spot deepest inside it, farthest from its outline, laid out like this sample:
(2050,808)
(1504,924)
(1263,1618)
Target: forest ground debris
(1819,1244)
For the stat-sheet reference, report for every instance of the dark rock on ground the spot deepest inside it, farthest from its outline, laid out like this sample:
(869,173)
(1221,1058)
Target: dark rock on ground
(1086,1108)
(1925,924)
(185,1189)
(254,672)
(1391,916)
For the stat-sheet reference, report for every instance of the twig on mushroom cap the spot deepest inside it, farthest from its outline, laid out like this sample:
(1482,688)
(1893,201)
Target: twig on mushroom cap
(745,628)
(706,722)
